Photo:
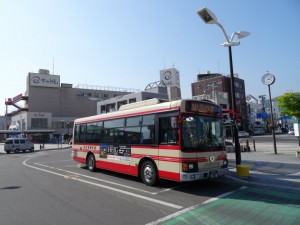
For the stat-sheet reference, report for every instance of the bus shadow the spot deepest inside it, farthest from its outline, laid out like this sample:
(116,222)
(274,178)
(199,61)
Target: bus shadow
(204,187)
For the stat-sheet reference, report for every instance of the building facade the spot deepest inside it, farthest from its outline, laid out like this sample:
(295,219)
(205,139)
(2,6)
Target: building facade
(50,104)
(171,78)
(217,88)
(153,90)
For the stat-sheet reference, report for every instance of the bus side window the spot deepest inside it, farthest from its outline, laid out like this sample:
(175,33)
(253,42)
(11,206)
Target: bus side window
(108,136)
(168,131)
(82,133)
(147,134)
(76,133)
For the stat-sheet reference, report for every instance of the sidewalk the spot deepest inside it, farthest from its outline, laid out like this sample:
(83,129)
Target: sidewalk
(39,147)
(281,170)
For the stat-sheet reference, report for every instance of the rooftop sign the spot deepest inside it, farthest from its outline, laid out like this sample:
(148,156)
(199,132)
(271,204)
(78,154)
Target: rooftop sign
(44,80)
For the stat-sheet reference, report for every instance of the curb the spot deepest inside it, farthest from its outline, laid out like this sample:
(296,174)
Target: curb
(247,181)
(40,150)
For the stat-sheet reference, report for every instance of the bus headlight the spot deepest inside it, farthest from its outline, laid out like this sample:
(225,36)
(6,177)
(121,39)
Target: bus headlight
(189,167)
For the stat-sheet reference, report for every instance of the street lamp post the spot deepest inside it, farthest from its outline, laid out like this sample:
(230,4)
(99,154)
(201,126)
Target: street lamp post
(209,18)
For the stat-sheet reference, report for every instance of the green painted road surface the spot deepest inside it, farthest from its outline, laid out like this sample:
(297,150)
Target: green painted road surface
(245,206)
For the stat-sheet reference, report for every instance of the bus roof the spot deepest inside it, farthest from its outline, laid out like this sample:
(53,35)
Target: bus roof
(141,109)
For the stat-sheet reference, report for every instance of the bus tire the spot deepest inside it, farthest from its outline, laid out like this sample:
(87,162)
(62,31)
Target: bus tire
(91,163)
(149,173)
(31,149)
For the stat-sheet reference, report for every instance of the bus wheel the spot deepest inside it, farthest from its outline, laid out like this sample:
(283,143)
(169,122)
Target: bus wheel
(31,149)
(91,163)
(148,173)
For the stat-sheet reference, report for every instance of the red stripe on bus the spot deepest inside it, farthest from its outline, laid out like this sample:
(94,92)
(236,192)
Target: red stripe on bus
(116,167)
(169,175)
(169,147)
(157,157)
(78,159)
(169,158)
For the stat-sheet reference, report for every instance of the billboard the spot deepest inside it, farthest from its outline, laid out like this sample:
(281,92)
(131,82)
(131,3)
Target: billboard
(170,77)
(261,115)
(44,80)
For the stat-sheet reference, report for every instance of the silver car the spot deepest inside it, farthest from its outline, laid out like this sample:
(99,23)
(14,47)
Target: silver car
(243,134)
(18,145)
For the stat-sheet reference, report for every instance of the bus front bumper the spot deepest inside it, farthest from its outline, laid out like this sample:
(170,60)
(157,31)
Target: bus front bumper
(202,175)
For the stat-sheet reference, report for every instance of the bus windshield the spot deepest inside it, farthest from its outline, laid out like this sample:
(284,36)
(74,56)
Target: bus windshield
(202,133)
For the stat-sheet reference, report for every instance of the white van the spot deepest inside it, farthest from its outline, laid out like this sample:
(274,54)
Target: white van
(18,145)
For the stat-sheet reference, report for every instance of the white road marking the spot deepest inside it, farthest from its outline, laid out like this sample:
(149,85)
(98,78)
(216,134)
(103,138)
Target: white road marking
(103,186)
(97,179)
(104,181)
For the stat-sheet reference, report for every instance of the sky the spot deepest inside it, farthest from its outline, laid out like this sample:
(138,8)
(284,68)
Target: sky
(125,43)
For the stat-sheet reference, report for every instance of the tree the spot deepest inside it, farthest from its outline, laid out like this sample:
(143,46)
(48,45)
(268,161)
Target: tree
(290,104)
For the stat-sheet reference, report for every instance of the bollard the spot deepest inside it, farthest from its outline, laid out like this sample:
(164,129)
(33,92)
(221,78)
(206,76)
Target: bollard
(254,145)
(247,145)
(242,170)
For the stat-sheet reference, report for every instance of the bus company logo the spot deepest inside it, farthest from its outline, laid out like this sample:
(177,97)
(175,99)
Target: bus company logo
(168,75)
(212,158)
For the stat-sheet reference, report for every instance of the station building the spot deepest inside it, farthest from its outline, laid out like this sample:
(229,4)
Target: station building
(48,104)
(48,108)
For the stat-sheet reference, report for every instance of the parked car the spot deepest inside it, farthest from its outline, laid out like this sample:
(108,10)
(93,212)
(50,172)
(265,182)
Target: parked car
(18,145)
(258,131)
(291,132)
(278,131)
(243,134)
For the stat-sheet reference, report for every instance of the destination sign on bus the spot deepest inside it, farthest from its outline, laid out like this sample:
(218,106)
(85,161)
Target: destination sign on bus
(201,107)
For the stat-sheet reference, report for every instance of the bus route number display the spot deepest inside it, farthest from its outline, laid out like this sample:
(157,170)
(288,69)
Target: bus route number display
(200,107)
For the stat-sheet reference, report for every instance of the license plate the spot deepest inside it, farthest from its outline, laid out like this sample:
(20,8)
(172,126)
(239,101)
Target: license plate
(213,174)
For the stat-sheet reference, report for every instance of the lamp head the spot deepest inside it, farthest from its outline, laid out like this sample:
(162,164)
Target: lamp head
(242,34)
(207,16)
(233,43)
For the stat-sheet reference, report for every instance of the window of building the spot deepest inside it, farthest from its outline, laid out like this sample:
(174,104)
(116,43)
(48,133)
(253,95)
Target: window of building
(98,95)
(39,123)
(121,103)
(132,100)
(88,94)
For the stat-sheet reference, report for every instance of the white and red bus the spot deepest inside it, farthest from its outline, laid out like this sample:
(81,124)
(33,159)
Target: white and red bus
(179,140)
